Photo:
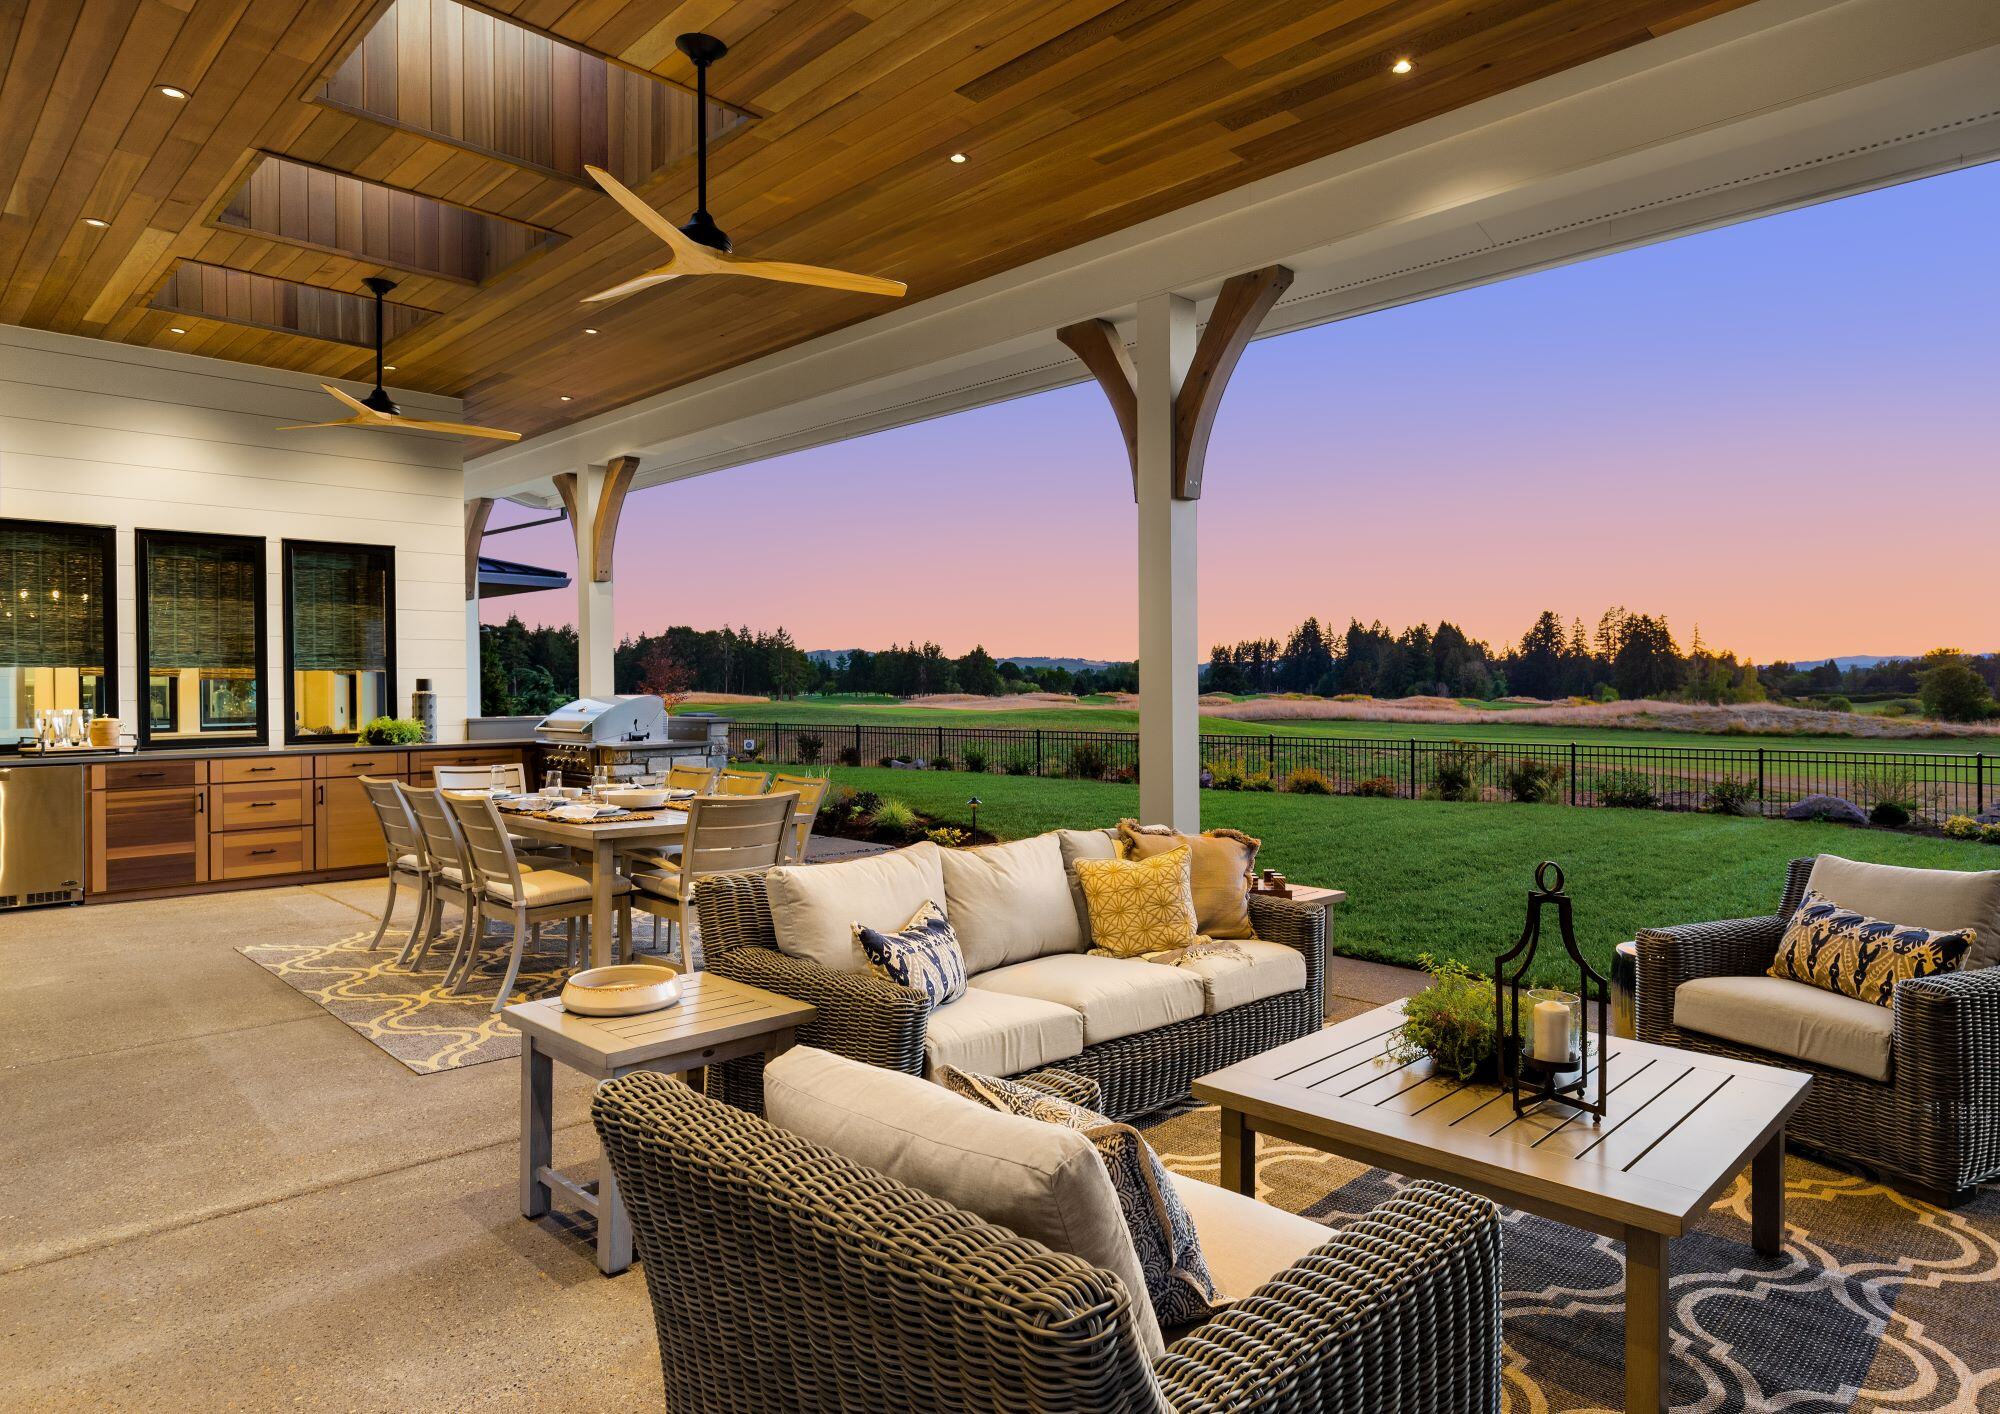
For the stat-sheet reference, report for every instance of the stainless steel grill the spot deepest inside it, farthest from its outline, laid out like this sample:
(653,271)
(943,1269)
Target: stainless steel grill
(632,735)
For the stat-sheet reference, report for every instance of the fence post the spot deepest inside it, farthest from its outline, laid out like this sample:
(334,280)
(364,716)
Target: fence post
(857,743)
(1038,751)
(1760,780)
(938,751)
(1979,787)
(1412,744)
(1572,773)
(1271,757)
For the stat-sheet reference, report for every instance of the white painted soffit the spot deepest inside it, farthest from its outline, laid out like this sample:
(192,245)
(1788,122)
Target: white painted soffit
(1776,105)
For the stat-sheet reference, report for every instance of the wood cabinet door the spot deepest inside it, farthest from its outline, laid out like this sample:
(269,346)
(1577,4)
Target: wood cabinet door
(148,839)
(346,834)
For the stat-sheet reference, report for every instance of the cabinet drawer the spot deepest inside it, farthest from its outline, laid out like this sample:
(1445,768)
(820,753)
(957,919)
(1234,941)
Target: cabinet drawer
(255,806)
(147,775)
(259,767)
(245,854)
(373,763)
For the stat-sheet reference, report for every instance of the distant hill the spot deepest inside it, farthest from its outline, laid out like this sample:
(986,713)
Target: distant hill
(1859,660)
(1075,665)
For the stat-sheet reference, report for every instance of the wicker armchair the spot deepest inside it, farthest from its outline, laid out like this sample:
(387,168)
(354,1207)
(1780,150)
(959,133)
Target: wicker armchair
(785,1277)
(873,1020)
(1933,1125)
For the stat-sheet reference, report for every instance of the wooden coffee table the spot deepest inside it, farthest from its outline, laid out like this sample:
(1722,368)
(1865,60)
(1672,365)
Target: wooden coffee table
(1681,1127)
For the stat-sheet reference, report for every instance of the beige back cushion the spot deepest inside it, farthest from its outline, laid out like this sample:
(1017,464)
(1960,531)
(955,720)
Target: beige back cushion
(1223,860)
(814,907)
(1010,903)
(1941,899)
(1083,844)
(1041,1180)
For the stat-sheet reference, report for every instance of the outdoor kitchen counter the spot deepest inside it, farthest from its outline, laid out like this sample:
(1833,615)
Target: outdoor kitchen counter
(83,757)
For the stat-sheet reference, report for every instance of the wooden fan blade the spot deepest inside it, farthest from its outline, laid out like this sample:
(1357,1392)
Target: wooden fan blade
(343,422)
(818,275)
(459,429)
(688,250)
(657,276)
(354,403)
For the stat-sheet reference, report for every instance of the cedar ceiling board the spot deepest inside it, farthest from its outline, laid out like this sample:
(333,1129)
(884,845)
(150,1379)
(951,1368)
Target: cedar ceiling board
(1083,116)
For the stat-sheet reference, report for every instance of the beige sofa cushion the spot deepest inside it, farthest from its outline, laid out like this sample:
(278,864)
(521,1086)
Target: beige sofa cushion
(1791,1018)
(1010,902)
(1245,1242)
(1084,844)
(1116,996)
(1943,900)
(1268,970)
(1041,1180)
(997,1033)
(814,907)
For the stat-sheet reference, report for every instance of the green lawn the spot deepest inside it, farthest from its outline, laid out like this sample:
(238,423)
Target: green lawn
(874,712)
(1425,876)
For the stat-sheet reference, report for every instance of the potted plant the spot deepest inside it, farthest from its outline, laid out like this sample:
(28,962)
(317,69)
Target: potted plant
(1452,1022)
(390,731)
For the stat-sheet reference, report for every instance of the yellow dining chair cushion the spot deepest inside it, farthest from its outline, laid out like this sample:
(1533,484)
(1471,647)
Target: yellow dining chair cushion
(1224,862)
(1139,906)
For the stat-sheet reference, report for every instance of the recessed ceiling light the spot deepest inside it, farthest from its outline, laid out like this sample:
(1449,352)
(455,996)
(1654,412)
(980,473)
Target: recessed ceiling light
(958,157)
(177,330)
(1401,66)
(388,368)
(95,223)
(167,90)
(565,397)
(590,331)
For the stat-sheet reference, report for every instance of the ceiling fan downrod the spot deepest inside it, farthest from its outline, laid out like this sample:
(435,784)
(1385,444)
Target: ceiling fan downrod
(379,400)
(702,50)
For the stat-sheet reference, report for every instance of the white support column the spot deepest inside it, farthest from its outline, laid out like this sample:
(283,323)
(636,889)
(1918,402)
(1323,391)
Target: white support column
(473,705)
(1169,662)
(596,637)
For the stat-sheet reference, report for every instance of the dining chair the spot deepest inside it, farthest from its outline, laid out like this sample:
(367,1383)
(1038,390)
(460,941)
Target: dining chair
(526,896)
(699,779)
(739,782)
(725,835)
(451,873)
(407,857)
(812,790)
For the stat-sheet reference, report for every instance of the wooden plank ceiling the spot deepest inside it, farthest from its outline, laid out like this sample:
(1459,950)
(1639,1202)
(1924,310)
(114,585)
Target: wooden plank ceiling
(1077,117)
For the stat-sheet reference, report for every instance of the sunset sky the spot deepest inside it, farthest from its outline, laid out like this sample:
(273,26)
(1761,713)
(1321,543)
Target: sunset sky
(1787,432)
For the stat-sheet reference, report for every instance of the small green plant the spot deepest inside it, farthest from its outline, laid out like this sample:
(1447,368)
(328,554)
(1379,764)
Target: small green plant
(1306,781)
(885,762)
(1732,795)
(1889,815)
(893,817)
(1989,834)
(1960,827)
(948,836)
(864,802)
(1627,790)
(1088,761)
(941,763)
(810,747)
(1533,782)
(1020,765)
(390,731)
(1225,775)
(1376,787)
(1898,786)
(975,760)
(1455,772)
(1451,1021)
(849,756)
(1837,703)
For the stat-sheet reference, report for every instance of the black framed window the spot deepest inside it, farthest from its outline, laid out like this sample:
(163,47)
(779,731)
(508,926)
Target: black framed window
(201,638)
(340,638)
(57,625)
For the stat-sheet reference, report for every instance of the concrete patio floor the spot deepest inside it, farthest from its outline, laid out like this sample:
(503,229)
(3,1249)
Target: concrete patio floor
(221,1196)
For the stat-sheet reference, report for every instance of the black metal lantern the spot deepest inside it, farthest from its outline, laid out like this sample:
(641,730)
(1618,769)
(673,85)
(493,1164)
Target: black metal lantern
(974,803)
(1536,1067)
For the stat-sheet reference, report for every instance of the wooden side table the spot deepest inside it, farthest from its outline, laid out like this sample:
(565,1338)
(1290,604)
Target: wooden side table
(716,1020)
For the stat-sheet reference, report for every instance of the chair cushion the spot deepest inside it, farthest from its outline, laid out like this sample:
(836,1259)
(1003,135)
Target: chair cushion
(1163,1235)
(1943,900)
(998,1033)
(542,887)
(1010,902)
(1139,906)
(1248,970)
(1826,945)
(1220,871)
(923,955)
(1791,1019)
(814,907)
(1043,1181)
(1084,844)
(1246,1242)
(1115,996)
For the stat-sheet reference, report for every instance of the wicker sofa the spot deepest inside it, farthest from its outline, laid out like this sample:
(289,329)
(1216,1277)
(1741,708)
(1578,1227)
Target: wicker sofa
(785,1277)
(1913,1094)
(870,1019)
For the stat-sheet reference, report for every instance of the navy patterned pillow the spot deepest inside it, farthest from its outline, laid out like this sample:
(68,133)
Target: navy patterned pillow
(923,955)
(1177,1279)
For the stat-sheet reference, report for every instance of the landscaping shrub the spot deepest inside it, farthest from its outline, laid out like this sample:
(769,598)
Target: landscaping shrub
(1306,781)
(1895,709)
(1260,781)
(864,802)
(886,761)
(1533,782)
(948,836)
(1088,761)
(893,817)
(1989,834)
(1455,772)
(941,763)
(1627,790)
(1961,827)
(1732,795)
(1225,775)
(1889,815)
(1376,787)
(975,760)
(1899,786)
(1837,703)
(1020,765)
(810,747)
(850,756)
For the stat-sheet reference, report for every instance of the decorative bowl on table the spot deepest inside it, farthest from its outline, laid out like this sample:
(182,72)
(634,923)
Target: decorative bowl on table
(634,797)
(621,991)
(528,803)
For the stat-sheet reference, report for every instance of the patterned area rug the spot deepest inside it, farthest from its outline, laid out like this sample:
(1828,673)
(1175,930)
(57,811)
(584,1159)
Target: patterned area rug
(1879,1303)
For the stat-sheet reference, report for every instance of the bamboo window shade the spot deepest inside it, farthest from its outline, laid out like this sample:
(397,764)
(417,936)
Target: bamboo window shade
(201,605)
(340,610)
(53,584)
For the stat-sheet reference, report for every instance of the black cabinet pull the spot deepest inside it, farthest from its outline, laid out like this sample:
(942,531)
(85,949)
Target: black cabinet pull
(201,802)
(260,804)
(263,851)
(150,775)
(263,768)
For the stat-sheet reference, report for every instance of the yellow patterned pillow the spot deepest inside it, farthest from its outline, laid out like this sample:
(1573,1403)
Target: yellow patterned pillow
(1840,950)
(1139,905)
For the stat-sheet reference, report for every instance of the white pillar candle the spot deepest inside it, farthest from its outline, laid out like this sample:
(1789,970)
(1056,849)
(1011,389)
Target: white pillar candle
(1551,1032)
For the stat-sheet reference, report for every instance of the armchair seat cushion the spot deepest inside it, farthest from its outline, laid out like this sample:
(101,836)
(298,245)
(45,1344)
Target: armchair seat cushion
(1268,970)
(542,887)
(1114,996)
(1245,1242)
(1790,1018)
(999,1033)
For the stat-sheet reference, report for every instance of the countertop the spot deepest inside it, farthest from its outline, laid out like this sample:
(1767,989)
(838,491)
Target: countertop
(209,753)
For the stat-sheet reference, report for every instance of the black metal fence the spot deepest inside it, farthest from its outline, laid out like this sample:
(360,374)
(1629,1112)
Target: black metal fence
(1750,779)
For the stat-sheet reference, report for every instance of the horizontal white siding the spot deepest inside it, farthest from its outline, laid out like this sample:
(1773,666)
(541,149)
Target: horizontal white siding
(108,434)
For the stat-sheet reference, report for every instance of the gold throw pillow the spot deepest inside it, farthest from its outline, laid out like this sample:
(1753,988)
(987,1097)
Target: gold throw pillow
(1841,950)
(1224,862)
(1139,905)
